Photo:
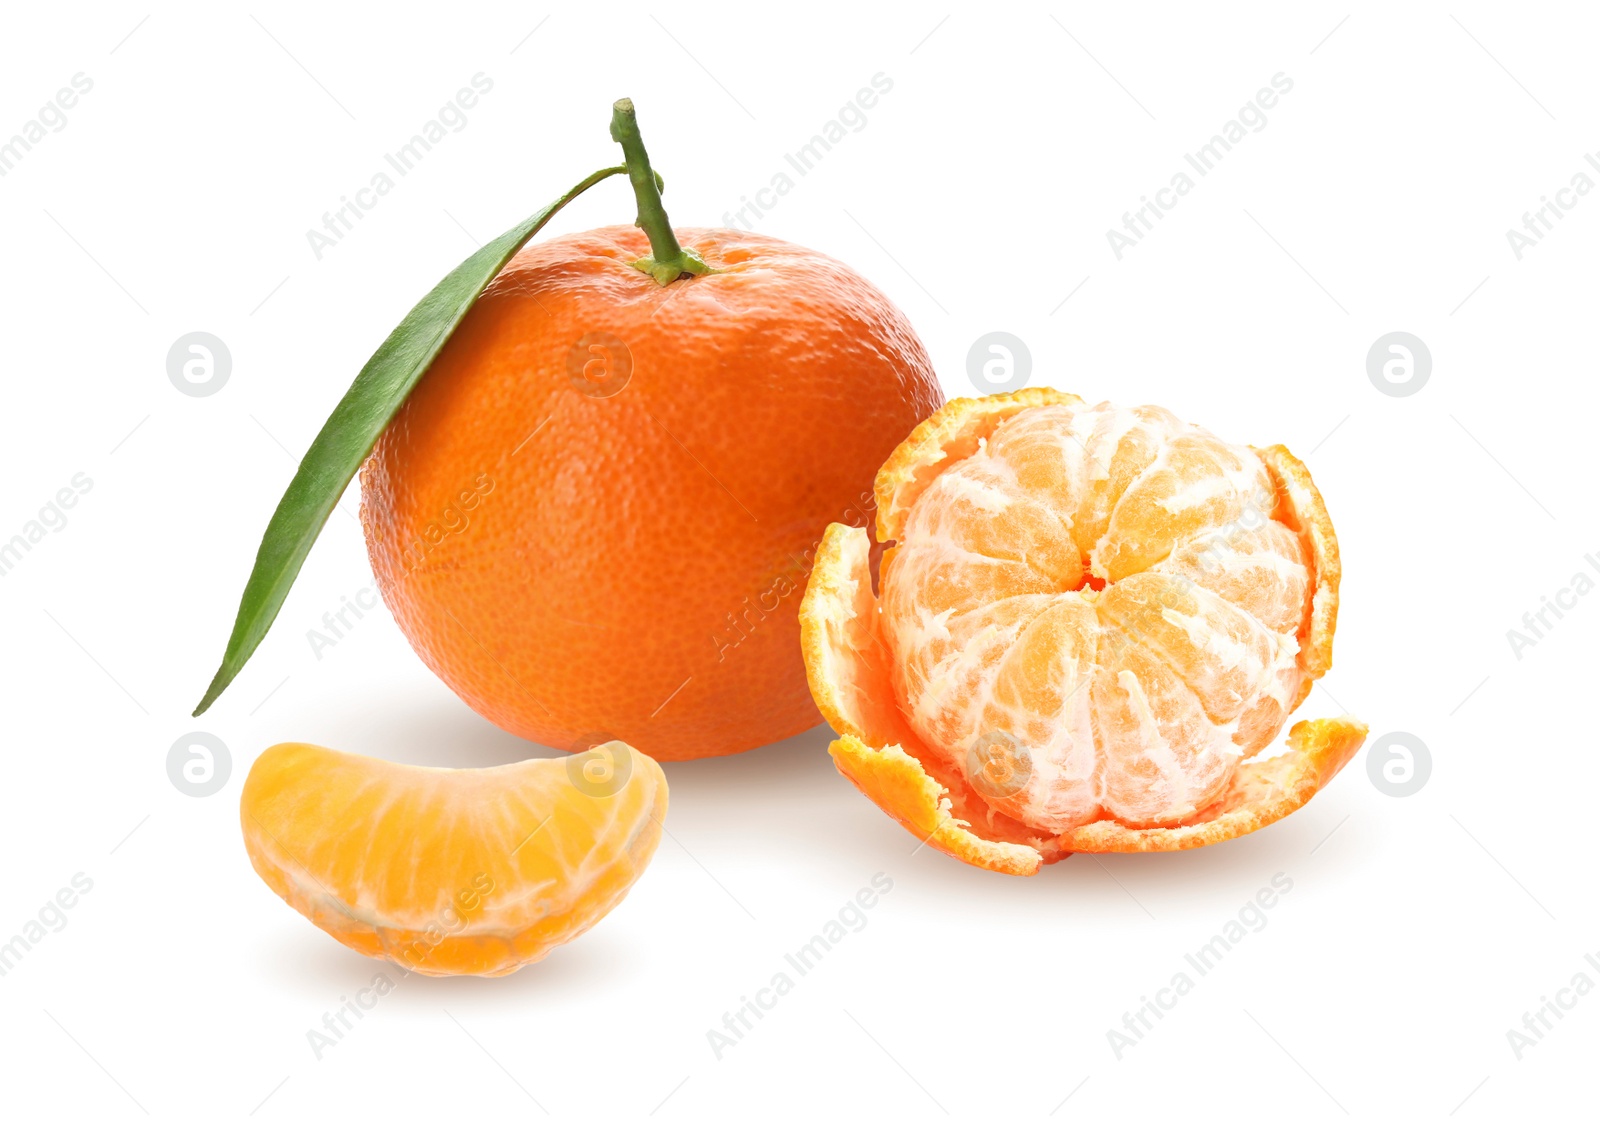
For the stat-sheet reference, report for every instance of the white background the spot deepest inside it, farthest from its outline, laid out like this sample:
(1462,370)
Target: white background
(1419,929)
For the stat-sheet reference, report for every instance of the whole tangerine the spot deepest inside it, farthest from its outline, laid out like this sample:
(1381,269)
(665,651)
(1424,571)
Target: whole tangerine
(595,515)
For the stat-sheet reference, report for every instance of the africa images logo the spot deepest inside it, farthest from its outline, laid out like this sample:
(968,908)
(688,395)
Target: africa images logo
(737,1024)
(1253,114)
(451,118)
(52,116)
(1252,918)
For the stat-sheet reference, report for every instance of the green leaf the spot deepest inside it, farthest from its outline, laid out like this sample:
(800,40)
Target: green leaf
(351,432)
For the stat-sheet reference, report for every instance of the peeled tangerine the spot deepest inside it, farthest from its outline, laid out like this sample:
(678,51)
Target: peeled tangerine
(1087,621)
(452,871)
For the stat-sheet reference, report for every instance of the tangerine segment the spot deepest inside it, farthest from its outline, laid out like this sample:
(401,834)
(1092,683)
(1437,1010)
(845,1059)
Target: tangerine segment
(448,871)
(1260,793)
(1118,597)
(951,434)
(848,669)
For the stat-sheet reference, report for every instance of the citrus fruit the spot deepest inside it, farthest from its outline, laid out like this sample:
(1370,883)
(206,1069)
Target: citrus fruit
(1087,621)
(447,871)
(594,471)
(596,512)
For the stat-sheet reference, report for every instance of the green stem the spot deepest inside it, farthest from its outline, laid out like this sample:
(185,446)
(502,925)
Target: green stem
(668,259)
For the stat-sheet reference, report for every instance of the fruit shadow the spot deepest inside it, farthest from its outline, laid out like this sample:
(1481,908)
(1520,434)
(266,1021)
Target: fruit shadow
(787,801)
(782,803)
(435,731)
(321,968)
(767,792)
(1137,890)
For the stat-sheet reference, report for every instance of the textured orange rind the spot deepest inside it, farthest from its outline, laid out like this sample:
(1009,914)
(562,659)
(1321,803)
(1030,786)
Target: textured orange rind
(1303,511)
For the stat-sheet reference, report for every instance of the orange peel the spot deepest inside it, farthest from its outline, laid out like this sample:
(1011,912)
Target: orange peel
(848,667)
(1261,793)
(860,683)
